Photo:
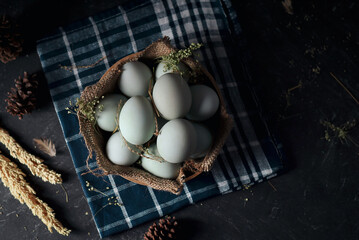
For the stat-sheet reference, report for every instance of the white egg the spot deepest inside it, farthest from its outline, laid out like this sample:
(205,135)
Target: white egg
(204,140)
(118,152)
(137,120)
(172,96)
(160,70)
(134,79)
(177,140)
(107,109)
(205,103)
(162,169)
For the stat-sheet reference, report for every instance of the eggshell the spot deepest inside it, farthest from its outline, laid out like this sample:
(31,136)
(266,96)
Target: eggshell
(134,79)
(172,96)
(205,103)
(177,140)
(137,120)
(162,169)
(117,151)
(204,140)
(160,70)
(106,118)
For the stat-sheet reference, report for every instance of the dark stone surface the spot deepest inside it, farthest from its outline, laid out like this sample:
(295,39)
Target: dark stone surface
(317,197)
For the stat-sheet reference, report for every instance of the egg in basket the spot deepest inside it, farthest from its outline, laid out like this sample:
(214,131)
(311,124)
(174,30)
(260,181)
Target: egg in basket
(158,118)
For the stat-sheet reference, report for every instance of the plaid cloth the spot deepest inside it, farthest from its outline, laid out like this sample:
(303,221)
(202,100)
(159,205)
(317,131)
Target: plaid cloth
(251,153)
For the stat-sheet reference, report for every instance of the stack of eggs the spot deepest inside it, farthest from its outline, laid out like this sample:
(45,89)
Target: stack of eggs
(181,108)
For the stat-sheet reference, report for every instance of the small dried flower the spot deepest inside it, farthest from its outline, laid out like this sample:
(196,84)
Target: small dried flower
(172,60)
(110,200)
(86,109)
(342,132)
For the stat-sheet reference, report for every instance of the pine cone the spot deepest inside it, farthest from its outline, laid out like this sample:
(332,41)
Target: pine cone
(22,99)
(164,230)
(10,40)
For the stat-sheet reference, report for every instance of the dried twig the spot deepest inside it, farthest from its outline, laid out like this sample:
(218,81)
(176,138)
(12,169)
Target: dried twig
(157,132)
(14,179)
(92,171)
(34,163)
(117,120)
(288,7)
(274,188)
(299,85)
(70,68)
(150,88)
(345,88)
(289,92)
(66,195)
(46,146)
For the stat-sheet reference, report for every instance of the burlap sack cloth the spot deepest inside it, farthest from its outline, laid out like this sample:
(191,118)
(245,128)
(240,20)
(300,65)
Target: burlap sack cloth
(96,143)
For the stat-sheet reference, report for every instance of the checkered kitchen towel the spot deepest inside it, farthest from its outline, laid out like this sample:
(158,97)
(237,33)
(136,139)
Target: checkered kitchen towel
(251,153)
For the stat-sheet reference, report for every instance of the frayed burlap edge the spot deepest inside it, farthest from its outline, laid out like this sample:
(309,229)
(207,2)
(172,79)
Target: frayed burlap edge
(96,143)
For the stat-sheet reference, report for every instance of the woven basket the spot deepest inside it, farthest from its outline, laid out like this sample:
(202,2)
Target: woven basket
(96,143)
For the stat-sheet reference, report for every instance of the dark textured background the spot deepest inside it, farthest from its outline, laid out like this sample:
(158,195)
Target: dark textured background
(317,197)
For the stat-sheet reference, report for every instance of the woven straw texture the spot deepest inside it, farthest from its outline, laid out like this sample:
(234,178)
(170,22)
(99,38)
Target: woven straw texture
(96,143)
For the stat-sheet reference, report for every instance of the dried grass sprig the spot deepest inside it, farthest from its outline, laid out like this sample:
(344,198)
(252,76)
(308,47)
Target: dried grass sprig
(172,60)
(111,200)
(14,179)
(117,119)
(141,151)
(86,109)
(34,163)
(46,146)
(341,132)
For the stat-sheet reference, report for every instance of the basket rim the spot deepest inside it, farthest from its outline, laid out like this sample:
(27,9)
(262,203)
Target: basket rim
(190,166)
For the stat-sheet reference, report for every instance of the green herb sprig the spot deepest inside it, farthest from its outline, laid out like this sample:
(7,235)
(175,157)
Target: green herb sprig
(172,60)
(87,109)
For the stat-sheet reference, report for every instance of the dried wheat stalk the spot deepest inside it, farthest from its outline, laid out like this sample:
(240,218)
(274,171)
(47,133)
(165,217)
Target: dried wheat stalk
(14,179)
(34,163)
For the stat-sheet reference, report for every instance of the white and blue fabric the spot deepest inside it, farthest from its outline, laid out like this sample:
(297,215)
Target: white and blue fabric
(251,153)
